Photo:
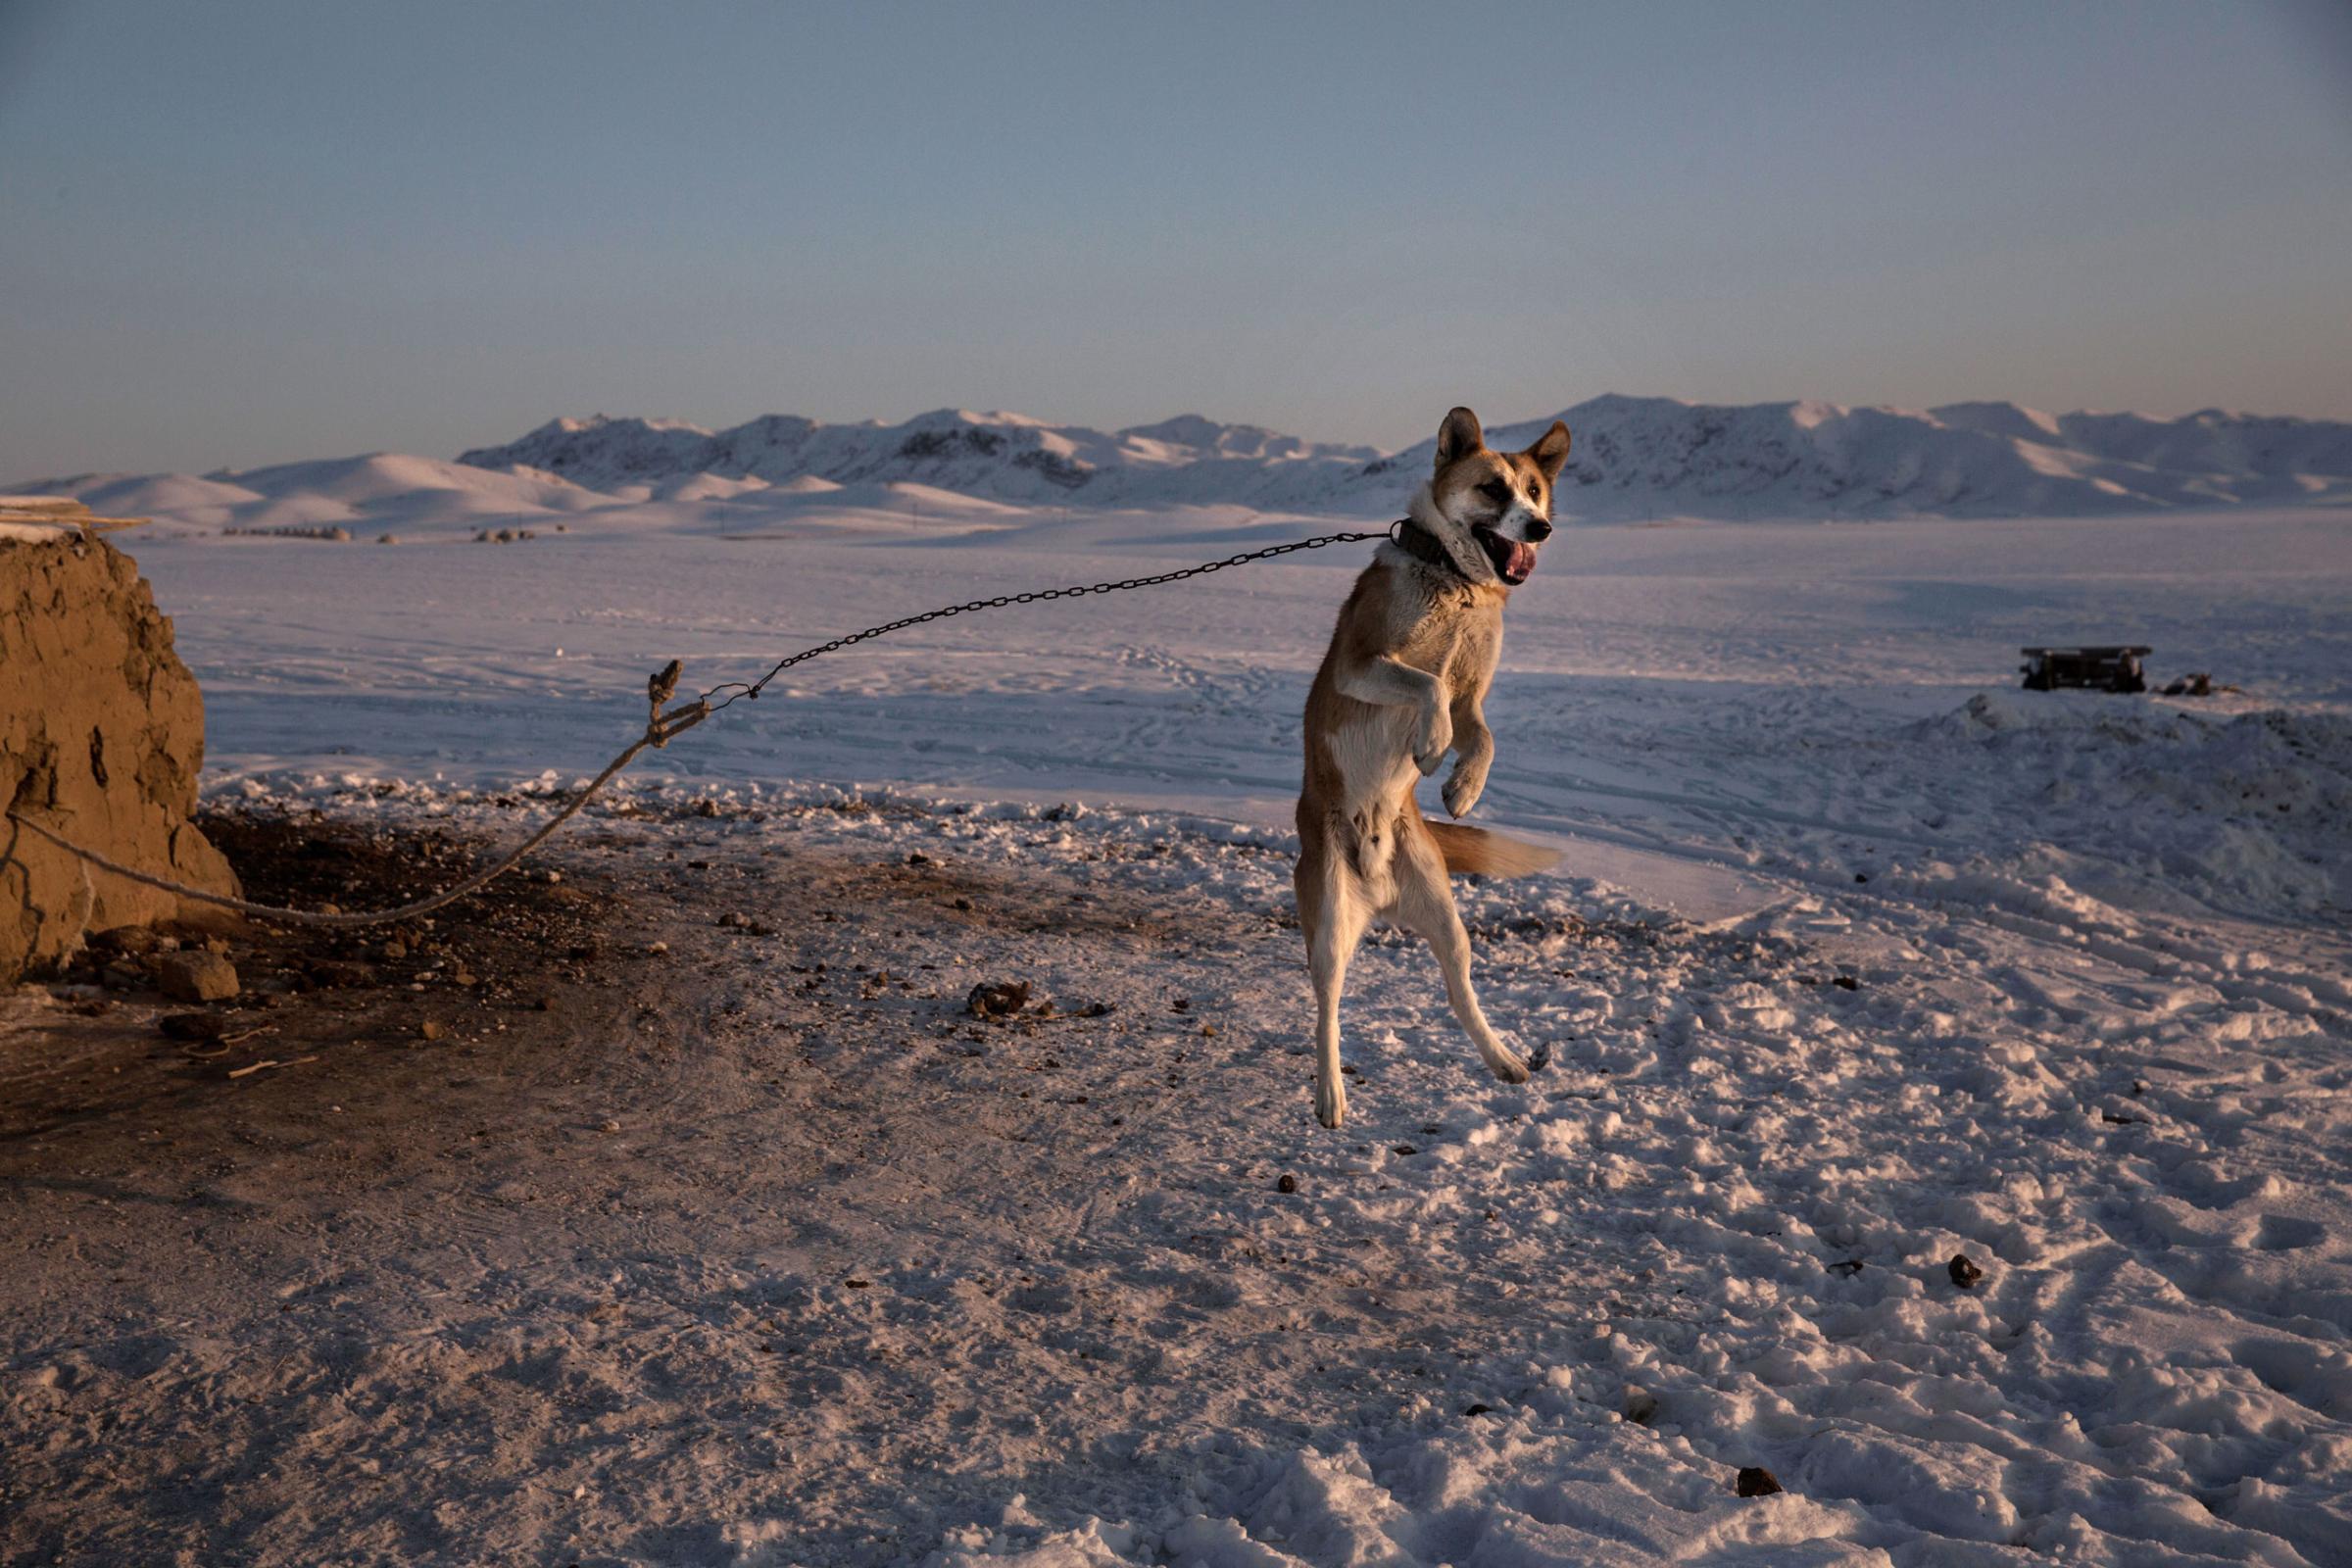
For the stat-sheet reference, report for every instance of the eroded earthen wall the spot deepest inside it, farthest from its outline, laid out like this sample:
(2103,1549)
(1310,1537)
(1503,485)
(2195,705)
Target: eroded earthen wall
(101,738)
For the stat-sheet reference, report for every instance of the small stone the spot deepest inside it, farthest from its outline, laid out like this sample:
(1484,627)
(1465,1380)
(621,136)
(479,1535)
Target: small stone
(1209,1030)
(196,977)
(1755,1482)
(542,1004)
(999,1000)
(1846,982)
(1640,1405)
(965,905)
(192,1025)
(656,948)
(1404,1149)
(608,1125)
(1476,1410)
(1287,1182)
(1963,1271)
(431,1029)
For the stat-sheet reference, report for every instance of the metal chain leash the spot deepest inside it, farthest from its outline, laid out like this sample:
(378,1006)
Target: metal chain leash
(662,726)
(742,689)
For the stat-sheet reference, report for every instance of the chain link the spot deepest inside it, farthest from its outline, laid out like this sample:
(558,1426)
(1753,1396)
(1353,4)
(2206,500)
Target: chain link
(742,689)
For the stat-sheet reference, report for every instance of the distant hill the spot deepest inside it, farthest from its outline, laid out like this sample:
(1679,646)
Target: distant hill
(1001,457)
(1965,459)
(1633,457)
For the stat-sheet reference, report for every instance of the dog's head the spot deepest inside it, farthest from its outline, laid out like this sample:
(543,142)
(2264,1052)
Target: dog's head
(1490,508)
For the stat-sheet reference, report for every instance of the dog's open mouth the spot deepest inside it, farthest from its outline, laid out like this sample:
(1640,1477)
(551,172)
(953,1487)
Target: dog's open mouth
(1514,560)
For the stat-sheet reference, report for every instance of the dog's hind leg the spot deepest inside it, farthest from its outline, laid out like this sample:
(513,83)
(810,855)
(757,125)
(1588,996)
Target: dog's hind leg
(1334,915)
(1425,907)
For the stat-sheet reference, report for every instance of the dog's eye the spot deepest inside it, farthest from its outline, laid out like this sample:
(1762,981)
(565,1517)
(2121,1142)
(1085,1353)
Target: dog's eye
(1497,492)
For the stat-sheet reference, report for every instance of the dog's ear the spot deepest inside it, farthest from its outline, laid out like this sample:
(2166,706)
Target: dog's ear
(1459,436)
(1550,450)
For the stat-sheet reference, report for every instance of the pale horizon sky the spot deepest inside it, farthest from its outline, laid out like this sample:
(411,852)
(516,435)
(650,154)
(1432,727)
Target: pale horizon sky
(272,229)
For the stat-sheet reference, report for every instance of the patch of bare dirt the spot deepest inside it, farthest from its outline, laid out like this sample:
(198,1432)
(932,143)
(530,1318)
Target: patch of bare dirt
(514,967)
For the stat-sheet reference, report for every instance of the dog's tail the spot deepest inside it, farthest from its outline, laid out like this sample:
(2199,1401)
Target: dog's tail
(1474,849)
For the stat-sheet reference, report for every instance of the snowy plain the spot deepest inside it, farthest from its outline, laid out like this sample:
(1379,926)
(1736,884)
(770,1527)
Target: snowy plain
(1859,958)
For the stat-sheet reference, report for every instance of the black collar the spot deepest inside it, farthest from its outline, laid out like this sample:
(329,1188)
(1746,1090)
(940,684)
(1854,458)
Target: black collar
(1416,541)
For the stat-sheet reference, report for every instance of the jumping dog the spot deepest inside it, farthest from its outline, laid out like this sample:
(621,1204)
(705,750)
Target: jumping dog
(1402,685)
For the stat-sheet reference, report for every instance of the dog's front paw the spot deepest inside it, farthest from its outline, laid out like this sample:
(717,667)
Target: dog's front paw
(1331,1101)
(1431,741)
(1464,787)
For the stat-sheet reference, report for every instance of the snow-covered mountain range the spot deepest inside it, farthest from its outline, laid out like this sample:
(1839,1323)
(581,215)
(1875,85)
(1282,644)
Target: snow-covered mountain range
(998,457)
(1633,457)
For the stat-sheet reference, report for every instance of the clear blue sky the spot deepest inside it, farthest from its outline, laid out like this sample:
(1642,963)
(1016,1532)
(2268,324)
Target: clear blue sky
(246,231)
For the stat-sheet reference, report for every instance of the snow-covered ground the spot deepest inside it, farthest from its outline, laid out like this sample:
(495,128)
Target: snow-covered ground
(1792,703)
(1860,958)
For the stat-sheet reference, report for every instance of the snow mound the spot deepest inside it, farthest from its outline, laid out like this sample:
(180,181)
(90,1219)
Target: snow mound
(2237,814)
(381,478)
(180,497)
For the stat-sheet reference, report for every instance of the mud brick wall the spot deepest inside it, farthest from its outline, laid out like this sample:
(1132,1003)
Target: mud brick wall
(101,738)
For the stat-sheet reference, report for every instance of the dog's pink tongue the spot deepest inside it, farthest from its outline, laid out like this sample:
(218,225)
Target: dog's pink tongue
(1523,561)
